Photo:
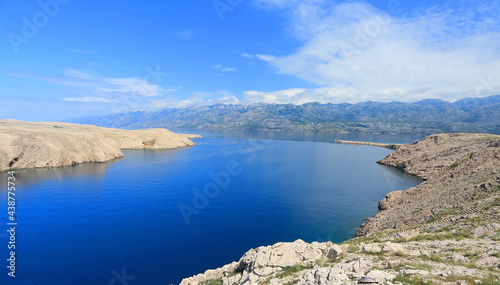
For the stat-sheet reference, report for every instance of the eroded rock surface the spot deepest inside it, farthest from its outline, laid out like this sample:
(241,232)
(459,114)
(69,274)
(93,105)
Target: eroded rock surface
(49,144)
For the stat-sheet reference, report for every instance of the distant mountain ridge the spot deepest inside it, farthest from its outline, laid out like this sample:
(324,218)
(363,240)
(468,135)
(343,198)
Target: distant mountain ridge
(474,115)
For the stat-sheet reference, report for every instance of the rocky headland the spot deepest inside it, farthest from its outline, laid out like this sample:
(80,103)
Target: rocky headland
(49,144)
(443,231)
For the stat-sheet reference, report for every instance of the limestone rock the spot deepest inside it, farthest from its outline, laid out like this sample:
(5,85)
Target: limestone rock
(485,230)
(266,259)
(380,275)
(47,144)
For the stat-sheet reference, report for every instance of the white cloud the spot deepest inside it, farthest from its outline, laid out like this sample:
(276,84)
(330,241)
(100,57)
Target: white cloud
(265,57)
(131,85)
(78,74)
(186,33)
(119,94)
(223,68)
(199,99)
(262,57)
(358,52)
(89,100)
(280,97)
(243,54)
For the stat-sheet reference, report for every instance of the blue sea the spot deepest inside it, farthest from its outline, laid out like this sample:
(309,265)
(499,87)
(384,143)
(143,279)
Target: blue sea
(155,217)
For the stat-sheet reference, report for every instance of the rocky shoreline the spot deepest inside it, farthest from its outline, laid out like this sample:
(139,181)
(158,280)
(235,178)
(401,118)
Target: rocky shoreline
(26,145)
(443,231)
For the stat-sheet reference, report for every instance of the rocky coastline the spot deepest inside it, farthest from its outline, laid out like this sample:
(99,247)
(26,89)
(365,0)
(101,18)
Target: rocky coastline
(385,145)
(26,145)
(443,231)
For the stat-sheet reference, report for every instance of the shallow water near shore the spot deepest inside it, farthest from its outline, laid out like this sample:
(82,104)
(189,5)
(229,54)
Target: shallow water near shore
(155,217)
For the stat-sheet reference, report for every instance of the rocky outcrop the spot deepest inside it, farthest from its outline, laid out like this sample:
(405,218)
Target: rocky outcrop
(267,261)
(436,153)
(443,231)
(47,144)
(461,171)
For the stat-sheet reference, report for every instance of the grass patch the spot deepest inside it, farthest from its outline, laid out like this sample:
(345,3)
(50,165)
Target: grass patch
(480,181)
(352,249)
(320,262)
(448,236)
(419,266)
(441,214)
(496,254)
(377,253)
(399,253)
(470,265)
(431,257)
(289,270)
(490,280)
(411,280)
(213,282)
(236,272)
(399,240)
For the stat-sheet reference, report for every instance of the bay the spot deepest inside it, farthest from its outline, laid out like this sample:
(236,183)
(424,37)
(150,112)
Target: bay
(155,217)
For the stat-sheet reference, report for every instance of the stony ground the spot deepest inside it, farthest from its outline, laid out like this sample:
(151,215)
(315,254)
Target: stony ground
(50,144)
(443,231)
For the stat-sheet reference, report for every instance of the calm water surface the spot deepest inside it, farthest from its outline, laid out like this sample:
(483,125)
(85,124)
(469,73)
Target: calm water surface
(159,216)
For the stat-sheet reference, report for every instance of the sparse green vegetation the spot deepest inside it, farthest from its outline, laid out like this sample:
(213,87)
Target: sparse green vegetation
(352,249)
(447,236)
(442,213)
(399,253)
(411,280)
(289,270)
(399,240)
(213,282)
(470,265)
(236,272)
(480,181)
(431,257)
(419,266)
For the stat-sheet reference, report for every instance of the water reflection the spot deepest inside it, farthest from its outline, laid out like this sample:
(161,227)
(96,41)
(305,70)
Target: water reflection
(31,176)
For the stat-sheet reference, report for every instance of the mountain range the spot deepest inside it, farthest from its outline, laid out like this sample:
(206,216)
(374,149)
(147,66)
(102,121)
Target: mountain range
(429,116)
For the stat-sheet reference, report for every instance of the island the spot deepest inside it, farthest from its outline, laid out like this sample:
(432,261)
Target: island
(443,231)
(26,145)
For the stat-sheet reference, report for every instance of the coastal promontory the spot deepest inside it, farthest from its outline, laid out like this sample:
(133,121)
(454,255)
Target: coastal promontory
(50,144)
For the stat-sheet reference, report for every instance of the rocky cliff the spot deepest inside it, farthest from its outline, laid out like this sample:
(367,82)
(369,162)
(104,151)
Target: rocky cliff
(47,144)
(461,171)
(443,231)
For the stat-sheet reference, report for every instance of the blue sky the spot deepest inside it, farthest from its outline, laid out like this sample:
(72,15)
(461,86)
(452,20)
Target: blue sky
(62,59)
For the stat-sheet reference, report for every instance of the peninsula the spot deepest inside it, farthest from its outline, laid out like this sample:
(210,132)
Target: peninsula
(443,231)
(49,144)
